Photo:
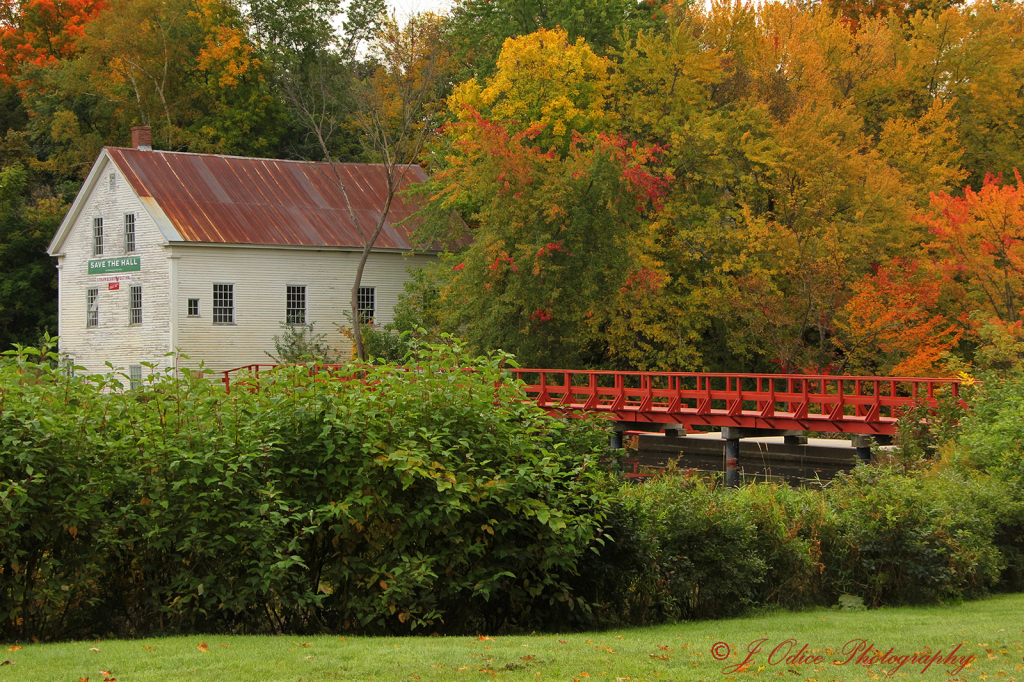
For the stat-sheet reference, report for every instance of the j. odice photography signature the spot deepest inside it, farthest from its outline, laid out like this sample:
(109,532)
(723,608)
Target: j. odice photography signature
(791,652)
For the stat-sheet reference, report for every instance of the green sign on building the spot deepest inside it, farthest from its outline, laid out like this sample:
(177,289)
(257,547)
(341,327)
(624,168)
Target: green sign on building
(104,265)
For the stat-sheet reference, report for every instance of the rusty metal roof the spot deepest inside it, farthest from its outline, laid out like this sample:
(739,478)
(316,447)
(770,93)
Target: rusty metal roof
(241,200)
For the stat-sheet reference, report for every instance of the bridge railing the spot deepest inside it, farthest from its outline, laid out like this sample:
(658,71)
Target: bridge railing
(249,375)
(845,404)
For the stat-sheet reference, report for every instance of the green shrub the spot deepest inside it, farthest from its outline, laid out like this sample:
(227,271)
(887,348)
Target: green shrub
(992,438)
(385,345)
(298,343)
(789,524)
(900,539)
(700,547)
(992,443)
(391,501)
(440,498)
(614,577)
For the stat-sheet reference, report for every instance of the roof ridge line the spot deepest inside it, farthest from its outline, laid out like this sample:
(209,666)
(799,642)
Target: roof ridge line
(251,158)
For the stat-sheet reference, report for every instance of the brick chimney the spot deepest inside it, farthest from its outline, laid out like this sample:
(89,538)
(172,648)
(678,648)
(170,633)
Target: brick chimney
(142,138)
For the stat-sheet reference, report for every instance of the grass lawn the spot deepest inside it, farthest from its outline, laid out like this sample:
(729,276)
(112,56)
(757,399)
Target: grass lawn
(989,634)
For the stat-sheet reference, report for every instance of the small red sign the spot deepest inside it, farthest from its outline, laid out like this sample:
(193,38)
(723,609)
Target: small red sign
(113,286)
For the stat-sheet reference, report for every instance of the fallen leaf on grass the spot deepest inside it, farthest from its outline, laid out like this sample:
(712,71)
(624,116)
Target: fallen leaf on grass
(664,647)
(527,658)
(13,648)
(562,641)
(604,648)
(483,638)
(7,662)
(301,643)
(93,649)
(660,658)
(147,647)
(202,647)
(223,645)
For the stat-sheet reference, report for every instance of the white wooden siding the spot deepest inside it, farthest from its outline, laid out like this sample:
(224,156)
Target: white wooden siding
(260,277)
(114,340)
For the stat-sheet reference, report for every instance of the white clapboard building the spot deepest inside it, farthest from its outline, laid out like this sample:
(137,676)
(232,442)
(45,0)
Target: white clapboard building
(210,254)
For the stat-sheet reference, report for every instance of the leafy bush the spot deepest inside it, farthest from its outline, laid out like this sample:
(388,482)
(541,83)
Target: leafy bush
(439,497)
(901,539)
(391,501)
(679,547)
(297,343)
(700,549)
(993,431)
(789,525)
(385,345)
(922,431)
(992,442)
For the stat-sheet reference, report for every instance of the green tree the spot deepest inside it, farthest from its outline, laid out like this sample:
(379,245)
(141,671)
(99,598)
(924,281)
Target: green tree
(478,29)
(29,217)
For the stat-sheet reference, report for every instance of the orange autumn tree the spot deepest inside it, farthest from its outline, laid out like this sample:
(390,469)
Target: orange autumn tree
(891,326)
(41,32)
(970,284)
(978,248)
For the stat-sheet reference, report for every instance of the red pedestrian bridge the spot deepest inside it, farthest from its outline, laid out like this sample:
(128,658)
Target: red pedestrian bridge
(741,405)
(776,402)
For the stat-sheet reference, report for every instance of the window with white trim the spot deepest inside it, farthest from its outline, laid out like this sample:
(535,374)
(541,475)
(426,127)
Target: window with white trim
(135,308)
(92,308)
(223,303)
(97,236)
(366,301)
(295,305)
(129,232)
(193,307)
(135,377)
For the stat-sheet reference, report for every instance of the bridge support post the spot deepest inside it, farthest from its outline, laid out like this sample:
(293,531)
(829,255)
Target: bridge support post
(863,446)
(732,462)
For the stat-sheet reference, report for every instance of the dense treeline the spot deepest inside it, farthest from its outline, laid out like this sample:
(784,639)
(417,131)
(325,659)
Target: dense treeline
(436,500)
(775,187)
(649,185)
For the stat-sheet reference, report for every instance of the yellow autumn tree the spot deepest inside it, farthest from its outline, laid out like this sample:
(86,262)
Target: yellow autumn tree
(543,81)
